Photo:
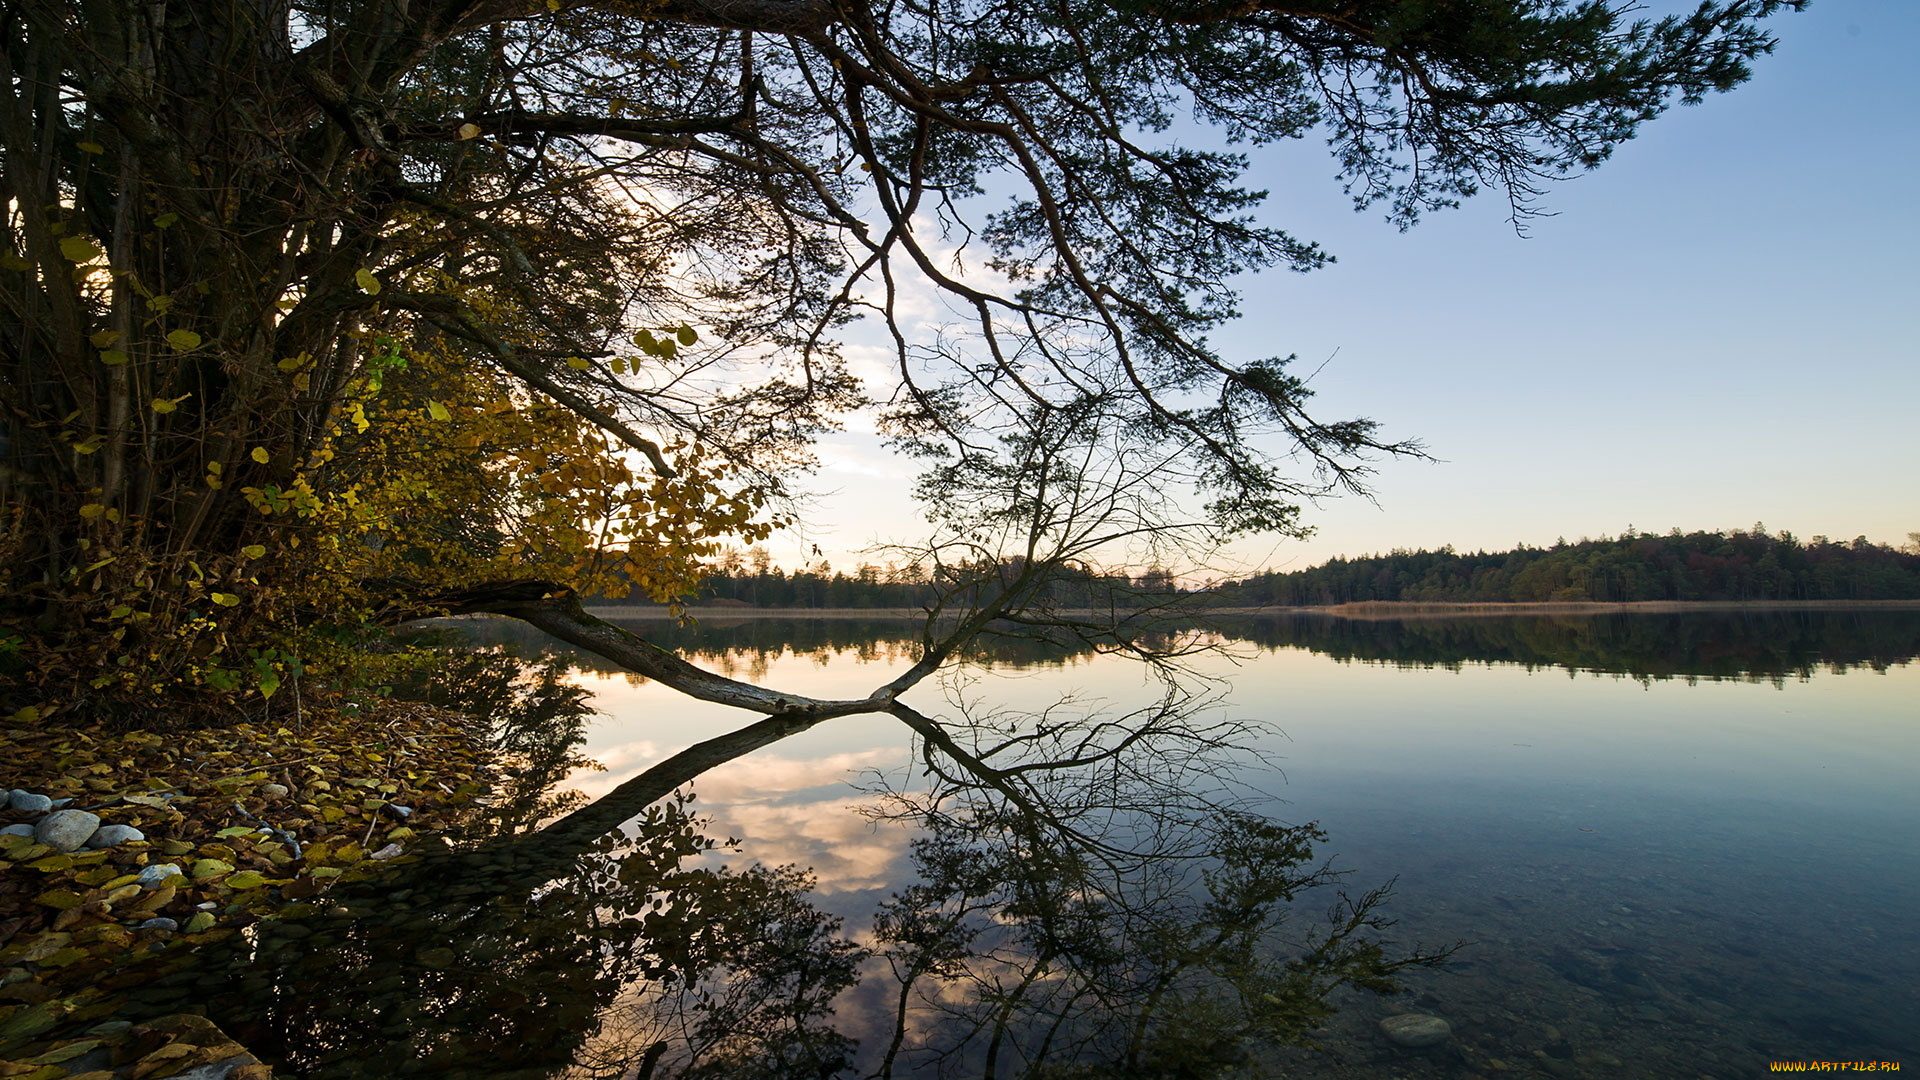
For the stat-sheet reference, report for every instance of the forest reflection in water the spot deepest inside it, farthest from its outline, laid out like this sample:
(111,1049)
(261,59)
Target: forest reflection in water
(1760,644)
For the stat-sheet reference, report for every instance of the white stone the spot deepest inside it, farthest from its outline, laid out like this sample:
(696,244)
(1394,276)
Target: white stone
(107,836)
(66,830)
(274,791)
(1415,1030)
(156,875)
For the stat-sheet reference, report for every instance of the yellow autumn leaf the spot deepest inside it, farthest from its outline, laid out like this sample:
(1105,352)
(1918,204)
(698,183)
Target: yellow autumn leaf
(686,335)
(166,221)
(469,131)
(104,339)
(225,599)
(167,405)
(260,455)
(578,363)
(91,148)
(367,282)
(92,510)
(112,357)
(183,340)
(254,551)
(438,411)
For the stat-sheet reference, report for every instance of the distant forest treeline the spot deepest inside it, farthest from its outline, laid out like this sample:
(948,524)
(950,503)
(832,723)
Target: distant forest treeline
(1637,566)
(1706,566)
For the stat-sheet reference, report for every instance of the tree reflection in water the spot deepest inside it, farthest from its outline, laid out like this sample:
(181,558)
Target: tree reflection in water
(1103,920)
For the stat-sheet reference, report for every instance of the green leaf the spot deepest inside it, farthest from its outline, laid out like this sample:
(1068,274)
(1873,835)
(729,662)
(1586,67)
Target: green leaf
(246,879)
(578,363)
(367,282)
(686,335)
(268,683)
(13,261)
(112,357)
(80,249)
(166,221)
(183,340)
(91,148)
(254,551)
(438,411)
(204,869)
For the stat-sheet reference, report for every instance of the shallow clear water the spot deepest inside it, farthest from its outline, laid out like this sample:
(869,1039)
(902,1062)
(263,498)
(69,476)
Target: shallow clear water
(1659,876)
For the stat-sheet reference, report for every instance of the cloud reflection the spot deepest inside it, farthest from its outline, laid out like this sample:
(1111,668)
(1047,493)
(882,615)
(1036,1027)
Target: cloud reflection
(787,810)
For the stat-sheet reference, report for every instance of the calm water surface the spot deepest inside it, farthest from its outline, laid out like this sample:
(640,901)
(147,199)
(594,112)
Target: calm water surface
(1676,845)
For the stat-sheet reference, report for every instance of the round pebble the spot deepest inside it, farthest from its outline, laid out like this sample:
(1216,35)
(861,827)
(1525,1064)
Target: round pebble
(28,802)
(17,830)
(66,830)
(274,791)
(107,836)
(160,922)
(157,874)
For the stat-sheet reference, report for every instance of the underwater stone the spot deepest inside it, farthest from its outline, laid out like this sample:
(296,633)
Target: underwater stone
(160,923)
(66,830)
(17,830)
(28,802)
(1415,1030)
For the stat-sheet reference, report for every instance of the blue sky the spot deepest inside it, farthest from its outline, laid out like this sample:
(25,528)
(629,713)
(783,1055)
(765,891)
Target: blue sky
(1716,327)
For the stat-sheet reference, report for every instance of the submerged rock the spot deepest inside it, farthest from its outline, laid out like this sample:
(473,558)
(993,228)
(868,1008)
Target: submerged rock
(1414,1030)
(17,830)
(66,830)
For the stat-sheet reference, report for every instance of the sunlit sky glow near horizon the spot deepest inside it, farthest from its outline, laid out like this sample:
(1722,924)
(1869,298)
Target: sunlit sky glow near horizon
(1715,328)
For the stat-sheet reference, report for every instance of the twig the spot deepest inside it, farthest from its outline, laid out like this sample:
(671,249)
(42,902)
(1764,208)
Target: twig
(292,841)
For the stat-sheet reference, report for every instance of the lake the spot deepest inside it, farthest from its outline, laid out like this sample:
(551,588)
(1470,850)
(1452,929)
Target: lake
(1668,845)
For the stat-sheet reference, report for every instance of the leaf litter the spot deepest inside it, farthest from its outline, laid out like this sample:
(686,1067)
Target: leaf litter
(260,820)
